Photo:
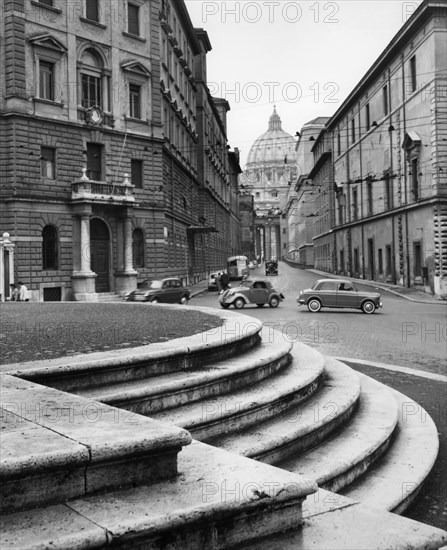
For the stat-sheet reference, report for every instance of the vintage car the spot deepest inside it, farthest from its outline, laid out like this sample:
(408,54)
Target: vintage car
(251,291)
(271,267)
(338,293)
(169,290)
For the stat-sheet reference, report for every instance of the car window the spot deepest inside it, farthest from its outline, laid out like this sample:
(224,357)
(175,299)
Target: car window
(259,284)
(326,285)
(155,285)
(346,286)
(176,284)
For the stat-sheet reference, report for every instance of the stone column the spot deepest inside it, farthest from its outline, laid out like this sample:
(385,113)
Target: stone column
(85,244)
(128,252)
(83,278)
(126,276)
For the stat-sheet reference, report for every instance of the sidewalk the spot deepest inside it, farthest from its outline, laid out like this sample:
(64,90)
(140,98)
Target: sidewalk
(412,294)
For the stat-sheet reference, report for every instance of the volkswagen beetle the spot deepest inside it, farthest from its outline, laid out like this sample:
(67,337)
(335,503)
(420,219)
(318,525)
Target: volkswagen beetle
(251,291)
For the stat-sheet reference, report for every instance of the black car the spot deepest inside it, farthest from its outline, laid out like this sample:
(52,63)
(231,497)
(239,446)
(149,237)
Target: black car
(271,267)
(169,291)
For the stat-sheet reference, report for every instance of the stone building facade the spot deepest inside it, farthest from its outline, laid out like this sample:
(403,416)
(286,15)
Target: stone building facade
(384,217)
(99,145)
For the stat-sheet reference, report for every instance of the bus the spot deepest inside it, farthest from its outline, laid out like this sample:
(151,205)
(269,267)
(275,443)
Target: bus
(237,267)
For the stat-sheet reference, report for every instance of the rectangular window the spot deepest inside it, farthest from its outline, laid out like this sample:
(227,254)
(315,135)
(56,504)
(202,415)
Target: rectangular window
(92,10)
(136,170)
(413,76)
(134,101)
(339,143)
(417,253)
(388,192)
(389,261)
(380,257)
(94,161)
(385,100)
(46,80)
(342,260)
(47,163)
(355,204)
(415,179)
(352,131)
(133,19)
(91,91)
(367,117)
(369,191)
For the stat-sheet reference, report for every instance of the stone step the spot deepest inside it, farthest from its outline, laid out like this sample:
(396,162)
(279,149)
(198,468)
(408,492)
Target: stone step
(249,406)
(304,425)
(346,455)
(333,522)
(396,480)
(175,389)
(217,500)
(101,369)
(109,297)
(57,446)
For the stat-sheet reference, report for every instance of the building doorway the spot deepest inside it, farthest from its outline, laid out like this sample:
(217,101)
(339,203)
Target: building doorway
(100,254)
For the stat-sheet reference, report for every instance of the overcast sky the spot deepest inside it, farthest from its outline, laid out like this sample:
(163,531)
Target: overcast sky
(304,56)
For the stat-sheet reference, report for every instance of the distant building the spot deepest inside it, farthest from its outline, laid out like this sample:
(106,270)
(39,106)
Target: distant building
(300,209)
(270,170)
(102,180)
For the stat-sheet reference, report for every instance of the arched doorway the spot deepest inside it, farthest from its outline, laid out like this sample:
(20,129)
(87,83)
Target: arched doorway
(99,254)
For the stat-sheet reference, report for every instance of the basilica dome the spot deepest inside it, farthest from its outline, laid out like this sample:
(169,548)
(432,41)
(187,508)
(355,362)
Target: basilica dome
(273,146)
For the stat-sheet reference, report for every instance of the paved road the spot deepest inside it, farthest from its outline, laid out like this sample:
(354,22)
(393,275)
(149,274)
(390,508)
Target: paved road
(403,333)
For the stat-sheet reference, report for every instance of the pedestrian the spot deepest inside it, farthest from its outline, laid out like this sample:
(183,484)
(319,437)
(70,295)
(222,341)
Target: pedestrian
(14,296)
(218,283)
(23,293)
(224,280)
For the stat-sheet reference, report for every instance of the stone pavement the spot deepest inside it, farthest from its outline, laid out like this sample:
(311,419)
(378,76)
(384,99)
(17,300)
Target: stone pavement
(411,294)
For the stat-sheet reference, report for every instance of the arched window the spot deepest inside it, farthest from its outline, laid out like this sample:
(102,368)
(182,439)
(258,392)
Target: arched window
(138,248)
(50,248)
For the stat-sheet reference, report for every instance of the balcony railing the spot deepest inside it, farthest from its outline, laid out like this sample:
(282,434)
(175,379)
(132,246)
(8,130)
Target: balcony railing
(86,190)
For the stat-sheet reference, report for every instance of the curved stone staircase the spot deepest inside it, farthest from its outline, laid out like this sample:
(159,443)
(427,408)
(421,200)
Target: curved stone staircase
(85,467)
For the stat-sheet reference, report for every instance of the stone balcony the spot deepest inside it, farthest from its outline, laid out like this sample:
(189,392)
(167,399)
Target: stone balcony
(92,191)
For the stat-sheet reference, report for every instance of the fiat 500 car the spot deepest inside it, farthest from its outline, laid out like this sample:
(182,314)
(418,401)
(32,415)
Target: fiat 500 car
(338,293)
(251,291)
(168,291)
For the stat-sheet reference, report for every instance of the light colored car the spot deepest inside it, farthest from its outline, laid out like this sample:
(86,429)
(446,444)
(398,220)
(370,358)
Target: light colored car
(169,291)
(338,293)
(251,291)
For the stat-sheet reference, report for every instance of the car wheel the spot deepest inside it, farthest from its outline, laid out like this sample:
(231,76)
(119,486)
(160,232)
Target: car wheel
(274,301)
(224,306)
(239,303)
(260,305)
(184,300)
(368,307)
(314,305)
(154,301)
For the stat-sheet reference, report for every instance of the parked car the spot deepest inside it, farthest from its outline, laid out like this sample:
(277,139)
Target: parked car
(212,280)
(251,291)
(338,293)
(169,290)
